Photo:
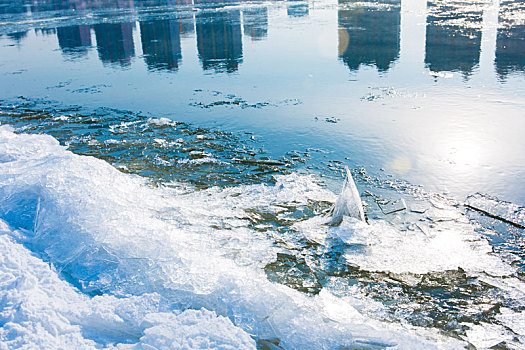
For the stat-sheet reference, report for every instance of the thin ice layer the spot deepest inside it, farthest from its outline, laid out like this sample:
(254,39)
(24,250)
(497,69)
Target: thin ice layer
(111,234)
(501,210)
(379,246)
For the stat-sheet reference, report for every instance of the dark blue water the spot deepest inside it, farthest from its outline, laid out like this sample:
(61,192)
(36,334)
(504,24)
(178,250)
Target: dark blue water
(424,101)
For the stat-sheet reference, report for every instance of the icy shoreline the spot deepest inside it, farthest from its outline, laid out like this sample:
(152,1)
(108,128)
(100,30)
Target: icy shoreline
(155,265)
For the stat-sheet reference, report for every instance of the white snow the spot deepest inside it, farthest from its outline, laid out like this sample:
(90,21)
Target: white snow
(39,310)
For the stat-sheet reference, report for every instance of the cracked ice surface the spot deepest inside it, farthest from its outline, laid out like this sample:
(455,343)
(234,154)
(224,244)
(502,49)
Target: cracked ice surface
(92,257)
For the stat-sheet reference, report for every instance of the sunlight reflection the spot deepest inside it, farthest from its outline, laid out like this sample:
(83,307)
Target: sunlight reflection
(463,153)
(400,165)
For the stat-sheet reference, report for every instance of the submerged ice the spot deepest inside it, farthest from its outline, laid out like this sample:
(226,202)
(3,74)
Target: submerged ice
(92,257)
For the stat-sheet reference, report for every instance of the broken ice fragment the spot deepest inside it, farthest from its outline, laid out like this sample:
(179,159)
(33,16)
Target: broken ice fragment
(391,206)
(418,208)
(348,203)
(259,161)
(505,211)
(485,335)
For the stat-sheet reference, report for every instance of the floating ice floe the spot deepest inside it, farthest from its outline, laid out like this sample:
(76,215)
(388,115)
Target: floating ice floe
(505,211)
(161,121)
(445,75)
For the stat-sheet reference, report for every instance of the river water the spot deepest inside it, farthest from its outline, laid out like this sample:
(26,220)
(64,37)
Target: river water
(220,131)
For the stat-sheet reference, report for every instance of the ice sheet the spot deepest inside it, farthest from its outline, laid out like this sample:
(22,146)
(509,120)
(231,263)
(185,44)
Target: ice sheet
(171,257)
(501,210)
(380,246)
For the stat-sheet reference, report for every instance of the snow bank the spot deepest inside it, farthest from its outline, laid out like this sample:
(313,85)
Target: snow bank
(39,310)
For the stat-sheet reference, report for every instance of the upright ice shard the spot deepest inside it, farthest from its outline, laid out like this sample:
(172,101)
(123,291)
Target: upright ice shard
(348,203)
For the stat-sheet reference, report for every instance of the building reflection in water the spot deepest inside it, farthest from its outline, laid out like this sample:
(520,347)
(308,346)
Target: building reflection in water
(219,40)
(369,35)
(74,40)
(369,32)
(161,43)
(255,22)
(453,36)
(297,10)
(187,26)
(45,31)
(18,36)
(115,43)
(14,8)
(510,42)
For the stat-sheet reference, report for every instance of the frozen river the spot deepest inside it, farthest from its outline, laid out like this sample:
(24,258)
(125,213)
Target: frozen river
(220,131)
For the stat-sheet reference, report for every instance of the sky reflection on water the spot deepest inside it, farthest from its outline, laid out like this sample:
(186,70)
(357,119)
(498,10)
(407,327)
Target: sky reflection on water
(432,92)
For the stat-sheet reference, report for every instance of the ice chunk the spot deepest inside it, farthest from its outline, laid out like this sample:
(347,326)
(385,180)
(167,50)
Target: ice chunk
(446,75)
(505,211)
(392,206)
(380,246)
(485,335)
(193,329)
(348,203)
(388,249)
(161,121)
(513,320)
